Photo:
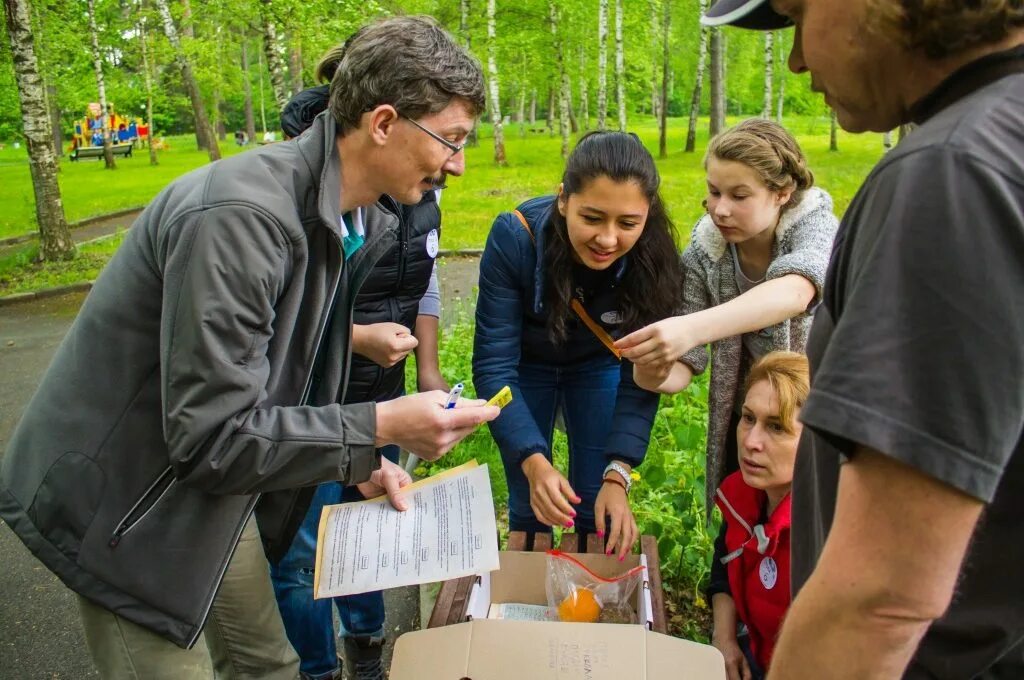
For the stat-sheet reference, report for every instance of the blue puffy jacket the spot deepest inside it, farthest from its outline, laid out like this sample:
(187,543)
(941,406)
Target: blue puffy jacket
(511,327)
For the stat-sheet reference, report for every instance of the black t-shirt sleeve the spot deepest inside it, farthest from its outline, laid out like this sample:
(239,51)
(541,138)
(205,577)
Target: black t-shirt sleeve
(926,358)
(718,582)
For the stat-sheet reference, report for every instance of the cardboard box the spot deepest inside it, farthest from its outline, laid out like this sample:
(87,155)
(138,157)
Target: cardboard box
(488,649)
(522,575)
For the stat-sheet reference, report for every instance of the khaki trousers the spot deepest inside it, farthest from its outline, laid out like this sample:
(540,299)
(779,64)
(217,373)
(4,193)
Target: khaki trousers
(243,639)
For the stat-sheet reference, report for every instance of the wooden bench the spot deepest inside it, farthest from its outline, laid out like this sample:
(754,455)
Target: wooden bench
(123,150)
(450,606)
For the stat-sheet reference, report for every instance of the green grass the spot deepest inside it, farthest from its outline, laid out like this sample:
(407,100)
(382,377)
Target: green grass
(470,203)
(89,189)
(21,272)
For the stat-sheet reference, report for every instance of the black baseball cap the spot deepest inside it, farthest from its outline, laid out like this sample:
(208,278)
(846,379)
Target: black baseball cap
(756,15)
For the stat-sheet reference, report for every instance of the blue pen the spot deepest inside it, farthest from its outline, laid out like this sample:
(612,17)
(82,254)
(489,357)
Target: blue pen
(453,396)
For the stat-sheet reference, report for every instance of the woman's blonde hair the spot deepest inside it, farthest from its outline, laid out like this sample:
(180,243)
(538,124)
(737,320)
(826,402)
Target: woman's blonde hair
(769,150)
(789,376)
(942,28)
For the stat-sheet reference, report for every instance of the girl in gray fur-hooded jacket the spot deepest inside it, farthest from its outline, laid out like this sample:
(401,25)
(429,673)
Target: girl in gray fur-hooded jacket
(754,271)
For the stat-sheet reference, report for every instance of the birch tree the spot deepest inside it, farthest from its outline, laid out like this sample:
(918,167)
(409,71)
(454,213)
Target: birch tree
(769,74)
(698,82)
(492,71)
(250,119)
(717,82)
(148,75)
(584,91)
(666,17)
(295,65)
(272,50)
(54,236)
(202,121)
(602,64)
(97,64)
(620,68)
(563,90)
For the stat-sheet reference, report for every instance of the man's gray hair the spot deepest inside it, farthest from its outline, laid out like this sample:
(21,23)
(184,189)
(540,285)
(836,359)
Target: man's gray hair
(410,63)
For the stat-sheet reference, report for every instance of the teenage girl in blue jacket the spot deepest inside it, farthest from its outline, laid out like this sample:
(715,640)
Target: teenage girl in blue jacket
(560,279)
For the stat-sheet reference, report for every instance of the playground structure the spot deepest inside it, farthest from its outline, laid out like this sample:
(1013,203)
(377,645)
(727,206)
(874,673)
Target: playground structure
(88,131)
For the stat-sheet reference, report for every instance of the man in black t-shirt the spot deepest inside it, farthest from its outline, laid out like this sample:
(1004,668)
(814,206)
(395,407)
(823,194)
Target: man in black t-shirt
(908,535)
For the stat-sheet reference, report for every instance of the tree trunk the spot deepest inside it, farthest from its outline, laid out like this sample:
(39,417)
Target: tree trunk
(666,18)
(54,108)
(250,119)
(522,110)
(295,66)
(833,139)
(186,20)
(272,51)
(263,95)
(492,74)
(717,83)
(563,99)
(769,74)
(584,92)
(97,64)
(567,94)
(620,68)
(698,84)
(198,108)
(655,33)
(533,107)
(602,64)
(54,236)
(148,75)
(551,112)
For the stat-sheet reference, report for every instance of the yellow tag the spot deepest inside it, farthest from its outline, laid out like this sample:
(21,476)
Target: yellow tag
(502,398)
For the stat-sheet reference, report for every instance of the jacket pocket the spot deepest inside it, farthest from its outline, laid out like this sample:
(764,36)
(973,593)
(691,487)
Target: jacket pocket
(156,491)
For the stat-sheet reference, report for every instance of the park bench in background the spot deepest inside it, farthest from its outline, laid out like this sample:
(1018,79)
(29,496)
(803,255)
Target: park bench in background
(123,150)
(450,606)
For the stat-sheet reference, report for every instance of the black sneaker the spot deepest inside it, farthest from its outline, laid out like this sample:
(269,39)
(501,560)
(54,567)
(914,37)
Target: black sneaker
(363,658)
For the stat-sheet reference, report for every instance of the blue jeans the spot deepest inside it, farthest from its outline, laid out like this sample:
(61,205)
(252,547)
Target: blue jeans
(309,623)
(586,394)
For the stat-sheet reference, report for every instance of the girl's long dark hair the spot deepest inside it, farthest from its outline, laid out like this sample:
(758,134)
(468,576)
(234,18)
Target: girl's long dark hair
(653,282)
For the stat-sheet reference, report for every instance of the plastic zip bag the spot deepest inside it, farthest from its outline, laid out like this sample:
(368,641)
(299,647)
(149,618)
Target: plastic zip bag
(579,595)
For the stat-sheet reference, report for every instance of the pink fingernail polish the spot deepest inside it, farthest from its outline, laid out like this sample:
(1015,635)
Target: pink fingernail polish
(572,514)
(608,552)
(622,558)
(600,534)
(568,525)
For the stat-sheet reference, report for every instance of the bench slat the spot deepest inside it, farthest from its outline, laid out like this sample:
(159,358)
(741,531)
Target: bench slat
(595,544)
(516,541)
(570,543)
(541,542)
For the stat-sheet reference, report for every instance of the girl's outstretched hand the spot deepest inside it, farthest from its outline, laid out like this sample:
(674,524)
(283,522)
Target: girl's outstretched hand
(662,342)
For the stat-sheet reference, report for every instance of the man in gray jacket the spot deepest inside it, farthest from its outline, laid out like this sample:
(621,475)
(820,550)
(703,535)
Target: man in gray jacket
(202,378)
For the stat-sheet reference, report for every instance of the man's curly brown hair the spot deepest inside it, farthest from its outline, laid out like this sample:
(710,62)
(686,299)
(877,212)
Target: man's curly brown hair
(942,28)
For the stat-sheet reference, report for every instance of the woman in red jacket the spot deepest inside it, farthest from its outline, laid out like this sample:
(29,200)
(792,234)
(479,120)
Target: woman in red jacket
(749,587)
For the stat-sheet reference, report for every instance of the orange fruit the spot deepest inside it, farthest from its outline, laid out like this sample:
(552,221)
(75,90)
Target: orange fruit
(580,606)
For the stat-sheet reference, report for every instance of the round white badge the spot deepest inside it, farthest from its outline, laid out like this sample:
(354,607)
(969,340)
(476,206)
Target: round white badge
(611,318)
(432,243)
(769,572)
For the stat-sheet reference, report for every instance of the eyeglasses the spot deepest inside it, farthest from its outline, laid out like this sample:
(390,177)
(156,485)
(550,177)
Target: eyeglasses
(451,146)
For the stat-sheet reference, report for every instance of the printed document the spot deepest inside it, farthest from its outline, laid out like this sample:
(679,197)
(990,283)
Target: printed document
(447,532)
